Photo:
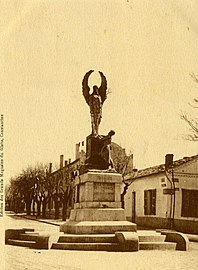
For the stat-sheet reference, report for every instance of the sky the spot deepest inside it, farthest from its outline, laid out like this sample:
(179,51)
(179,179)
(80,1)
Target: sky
(147,51)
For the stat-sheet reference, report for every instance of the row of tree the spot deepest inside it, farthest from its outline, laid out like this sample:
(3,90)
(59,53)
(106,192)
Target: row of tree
(35,188)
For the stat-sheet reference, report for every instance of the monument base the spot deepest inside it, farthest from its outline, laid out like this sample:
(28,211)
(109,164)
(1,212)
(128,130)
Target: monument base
(97,208)
(97,214)
(97,227)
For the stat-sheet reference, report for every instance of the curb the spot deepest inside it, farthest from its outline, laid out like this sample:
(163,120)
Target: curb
(191,237)
(39,220)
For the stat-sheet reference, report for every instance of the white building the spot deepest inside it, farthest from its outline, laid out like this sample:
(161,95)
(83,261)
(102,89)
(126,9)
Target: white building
(165,199)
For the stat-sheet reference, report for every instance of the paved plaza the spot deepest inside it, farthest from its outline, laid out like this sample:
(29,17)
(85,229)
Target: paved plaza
(19,258)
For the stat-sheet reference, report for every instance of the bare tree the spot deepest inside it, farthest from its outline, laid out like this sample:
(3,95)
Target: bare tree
(14,197)
(67,190)
(119,157)
(43,189)
(192,122)
(21,191)
(123,164)
(32,186)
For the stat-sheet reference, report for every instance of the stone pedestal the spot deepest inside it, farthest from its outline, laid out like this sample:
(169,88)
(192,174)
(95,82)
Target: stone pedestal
(97,207)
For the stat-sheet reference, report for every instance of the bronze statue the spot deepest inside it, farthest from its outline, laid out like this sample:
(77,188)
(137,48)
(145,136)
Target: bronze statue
(98,147)
(95,100)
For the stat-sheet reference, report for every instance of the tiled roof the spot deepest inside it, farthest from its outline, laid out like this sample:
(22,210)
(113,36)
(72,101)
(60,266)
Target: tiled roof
(159,168)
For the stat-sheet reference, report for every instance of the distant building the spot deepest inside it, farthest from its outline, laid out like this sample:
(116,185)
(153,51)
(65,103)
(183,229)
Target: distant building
(61,201)
(160,199)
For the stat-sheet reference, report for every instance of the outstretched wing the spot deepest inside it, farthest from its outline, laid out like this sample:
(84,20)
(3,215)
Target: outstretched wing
(85,86)
(103,87)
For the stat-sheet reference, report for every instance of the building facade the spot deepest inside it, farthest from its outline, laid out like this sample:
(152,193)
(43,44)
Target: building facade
(62,197)
(162,198)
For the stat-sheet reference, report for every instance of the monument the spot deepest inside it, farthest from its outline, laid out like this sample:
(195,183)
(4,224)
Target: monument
(97,207)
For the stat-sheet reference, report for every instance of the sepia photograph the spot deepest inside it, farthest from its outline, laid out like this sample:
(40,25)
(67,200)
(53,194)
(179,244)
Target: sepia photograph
(98,134)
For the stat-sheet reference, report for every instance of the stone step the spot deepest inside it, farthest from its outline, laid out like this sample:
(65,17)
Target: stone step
(97,238)
(87,246)
(32,233)
(157,246)
(147,232)
(97,227)
(28,229)
(21,243)
(28,237)
(151,238)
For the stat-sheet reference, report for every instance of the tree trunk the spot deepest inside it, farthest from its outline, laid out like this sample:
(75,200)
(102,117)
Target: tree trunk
(64,210)
(123,194)
(38,208)
(15,205)
(28,202)
(44,204)
(56,208)
(50,206)
(33,207)
(28,208)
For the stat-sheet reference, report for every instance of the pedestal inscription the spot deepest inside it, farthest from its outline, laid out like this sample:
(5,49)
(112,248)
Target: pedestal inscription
(104,192)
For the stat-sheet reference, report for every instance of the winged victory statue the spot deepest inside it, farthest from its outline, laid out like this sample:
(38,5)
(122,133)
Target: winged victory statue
(95,100)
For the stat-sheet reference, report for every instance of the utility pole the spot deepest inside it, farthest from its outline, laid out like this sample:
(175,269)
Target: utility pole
(168,167)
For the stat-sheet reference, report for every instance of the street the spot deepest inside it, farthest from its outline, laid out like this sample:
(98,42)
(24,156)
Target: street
(19,258)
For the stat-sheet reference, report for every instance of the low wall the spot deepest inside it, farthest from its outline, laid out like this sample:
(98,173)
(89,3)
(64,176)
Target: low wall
(186,226)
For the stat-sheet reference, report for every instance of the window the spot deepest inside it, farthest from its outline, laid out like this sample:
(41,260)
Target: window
(163,180)
(150,202)
(189,203)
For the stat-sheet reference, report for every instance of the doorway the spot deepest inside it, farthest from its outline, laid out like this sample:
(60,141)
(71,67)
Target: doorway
(133,206)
